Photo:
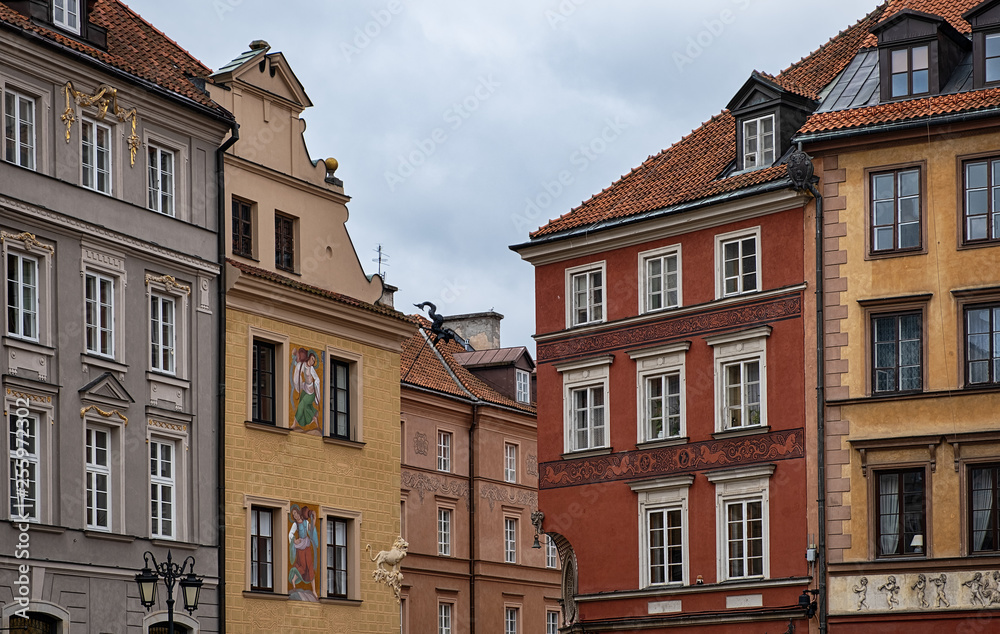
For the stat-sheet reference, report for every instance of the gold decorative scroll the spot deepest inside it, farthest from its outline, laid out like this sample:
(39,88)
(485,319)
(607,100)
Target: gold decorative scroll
(28,239)
(114,412)
(169,281)
(104,98)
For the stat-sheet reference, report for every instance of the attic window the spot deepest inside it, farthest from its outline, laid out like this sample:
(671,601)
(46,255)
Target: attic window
(66,14)
(758,142)
(992,57)
(910,71)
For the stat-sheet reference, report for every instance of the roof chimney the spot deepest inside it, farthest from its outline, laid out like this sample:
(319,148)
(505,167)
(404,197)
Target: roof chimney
(481,330)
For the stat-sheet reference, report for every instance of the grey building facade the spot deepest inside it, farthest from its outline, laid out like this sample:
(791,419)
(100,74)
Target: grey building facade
(110,252)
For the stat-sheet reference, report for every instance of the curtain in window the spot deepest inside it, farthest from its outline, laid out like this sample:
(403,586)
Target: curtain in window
(982,507)
(889,513)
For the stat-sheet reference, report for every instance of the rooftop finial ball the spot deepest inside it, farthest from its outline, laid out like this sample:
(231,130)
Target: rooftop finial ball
(332,164)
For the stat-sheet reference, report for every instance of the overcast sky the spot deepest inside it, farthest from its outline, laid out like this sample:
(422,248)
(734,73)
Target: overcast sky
(455,121)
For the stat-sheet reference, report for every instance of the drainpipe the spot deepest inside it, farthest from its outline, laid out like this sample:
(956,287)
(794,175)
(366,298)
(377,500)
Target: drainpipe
(472,518)
(220,437)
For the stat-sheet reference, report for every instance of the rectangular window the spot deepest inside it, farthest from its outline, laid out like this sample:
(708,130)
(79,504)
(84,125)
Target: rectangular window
(444,451)
(19,129)
(910,71)
(96,156)
(510,540)
(510,620)
(551,553)
(100,314)
(336,557)
(66,13)
(509,462)
(162,485)
(982,345)
(340,399)
(758,142)
(588,417)
(24,466)
(982,199)
(740,266)
(551,623)
(742,394)
(444,532)
(895,211)
(663,406)
(900,512)
(161,180)
(992,42)
(242,228)
(263,386)
(896,348)
(261,549)
(745,538)
(98,475)
(587,297)
(444,618)
(523,386)
(22,296)
(161,331)
(284,242)
(662,281)
(666,548)
(984,520)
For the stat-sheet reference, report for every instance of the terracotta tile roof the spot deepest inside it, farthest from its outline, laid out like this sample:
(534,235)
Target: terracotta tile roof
(950,10)
(690,170)
(419,366)
(134,46)
(315,290)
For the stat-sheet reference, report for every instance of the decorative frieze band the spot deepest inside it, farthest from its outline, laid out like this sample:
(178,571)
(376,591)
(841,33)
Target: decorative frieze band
(908,592)
(29,397)
(28,240)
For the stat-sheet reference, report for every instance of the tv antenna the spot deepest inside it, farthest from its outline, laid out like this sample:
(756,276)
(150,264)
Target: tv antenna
(382,260)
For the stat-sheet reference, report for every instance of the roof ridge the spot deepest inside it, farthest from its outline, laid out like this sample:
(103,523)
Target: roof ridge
(882,7)
(135,14)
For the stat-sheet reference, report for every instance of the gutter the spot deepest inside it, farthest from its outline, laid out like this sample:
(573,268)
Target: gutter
(898,125)
(472,517)
(220,463)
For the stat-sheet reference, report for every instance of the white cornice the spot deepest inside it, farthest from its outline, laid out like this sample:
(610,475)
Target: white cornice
(665,226)
(263,171)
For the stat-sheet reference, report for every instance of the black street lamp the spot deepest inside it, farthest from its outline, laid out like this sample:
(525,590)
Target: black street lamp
(171,572)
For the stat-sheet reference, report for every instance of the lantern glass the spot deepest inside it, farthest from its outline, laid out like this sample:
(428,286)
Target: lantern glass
(191,589)
(146,580)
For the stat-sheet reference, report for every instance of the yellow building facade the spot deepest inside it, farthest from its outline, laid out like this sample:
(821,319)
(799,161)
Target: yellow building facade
(312,397)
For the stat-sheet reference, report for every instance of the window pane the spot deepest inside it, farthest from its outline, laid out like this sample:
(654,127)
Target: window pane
(899,61)
(993,45)
(919,58)
(993,69)
(921,82)
(899,85)
(909,183)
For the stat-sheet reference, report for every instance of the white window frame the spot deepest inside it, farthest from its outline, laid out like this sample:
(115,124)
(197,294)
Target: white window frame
(92,182)
(70,19)
(444,446)
(510,526)
(510,462)
(22,456)
(15,301)
(578,375)
(523,383)
(551,553)
(591,307)
(94,470)
(721,241)
(745,484)
(24,245)
(551,622)
(652,363)
(663,494)
(645,290)
(759,157)
(739,347)
(511,619)
(163,333)
(158,483)
(155,191)
(99,326)
(445,615)
(445,522)
(16,100)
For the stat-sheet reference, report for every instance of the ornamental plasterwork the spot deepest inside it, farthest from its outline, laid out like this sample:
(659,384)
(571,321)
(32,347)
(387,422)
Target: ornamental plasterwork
(420,443)
(532,464)
(114,412)
(493,494)
(422,483)
(169,281)
(28,240)
(915,592)
(104,98)
(164,425)
(29,397)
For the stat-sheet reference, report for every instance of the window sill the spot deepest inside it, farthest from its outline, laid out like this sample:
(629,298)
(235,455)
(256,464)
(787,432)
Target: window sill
(111,537)
(978,244)
(246,257)
(742,431)
(343,442)
(662,442)
(273,429)
(32,345)
(35,527)
(587,453)
(163,542)
(167,378)
(286,271)
(340,601)
(264,594)
(882,255)
(104,363)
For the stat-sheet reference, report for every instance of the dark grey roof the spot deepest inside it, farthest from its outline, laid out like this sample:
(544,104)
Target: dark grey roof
(239,61)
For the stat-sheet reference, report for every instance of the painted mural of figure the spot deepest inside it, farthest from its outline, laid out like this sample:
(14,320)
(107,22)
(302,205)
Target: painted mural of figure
(975,585)
(861,591)
(891,589)
(939,584)
(921,586)
(305,380)
(303,548)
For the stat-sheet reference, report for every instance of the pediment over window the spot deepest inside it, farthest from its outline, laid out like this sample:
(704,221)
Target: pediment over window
(106,389)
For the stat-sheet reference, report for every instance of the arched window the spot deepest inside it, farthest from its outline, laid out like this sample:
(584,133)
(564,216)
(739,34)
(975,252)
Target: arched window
(34,624)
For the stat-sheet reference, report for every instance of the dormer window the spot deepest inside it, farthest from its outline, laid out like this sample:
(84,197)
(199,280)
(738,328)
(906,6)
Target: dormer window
(910,71)
(66,14)
(992,61)
(758,142)
(984,18)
